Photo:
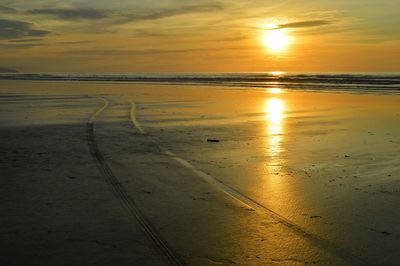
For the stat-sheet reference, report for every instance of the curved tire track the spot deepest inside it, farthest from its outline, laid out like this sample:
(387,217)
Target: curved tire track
(166,252)
(251,203)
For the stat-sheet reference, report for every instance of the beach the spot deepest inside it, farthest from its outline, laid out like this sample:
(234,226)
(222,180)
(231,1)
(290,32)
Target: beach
(124,173)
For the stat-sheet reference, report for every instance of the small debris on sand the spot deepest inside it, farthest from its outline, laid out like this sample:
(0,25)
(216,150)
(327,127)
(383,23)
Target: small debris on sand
(212,140)
(386,233)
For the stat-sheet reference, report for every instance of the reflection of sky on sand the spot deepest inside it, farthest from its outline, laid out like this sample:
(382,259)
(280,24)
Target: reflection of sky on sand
(274,109)
(288,153)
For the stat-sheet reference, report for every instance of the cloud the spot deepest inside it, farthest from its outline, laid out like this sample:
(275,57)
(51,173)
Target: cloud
(4,9)
(170,12)
(26,40)
(72,14)
(12,29)
(304,24)
(100,20)
(140,52)
(122,16)
(114,52)
(233,38)
(74,42)
(8,70)
(19,45)
(146,33)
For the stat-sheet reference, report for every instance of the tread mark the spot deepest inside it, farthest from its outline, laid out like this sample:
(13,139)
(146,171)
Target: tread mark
(251,203)
(167,253)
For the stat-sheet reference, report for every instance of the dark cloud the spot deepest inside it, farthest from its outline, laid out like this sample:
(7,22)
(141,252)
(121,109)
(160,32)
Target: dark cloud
(12,29)
(123,16)
(304,24)
(72,14)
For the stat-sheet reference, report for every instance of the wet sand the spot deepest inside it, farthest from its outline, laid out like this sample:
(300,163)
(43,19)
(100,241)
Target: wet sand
(103,173)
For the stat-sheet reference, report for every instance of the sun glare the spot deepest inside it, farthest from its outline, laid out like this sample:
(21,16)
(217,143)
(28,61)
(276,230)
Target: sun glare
(275,90)
(277,73)
(276,40)
(274,110)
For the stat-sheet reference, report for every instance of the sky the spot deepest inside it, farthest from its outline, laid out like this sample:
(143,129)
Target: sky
(103,36)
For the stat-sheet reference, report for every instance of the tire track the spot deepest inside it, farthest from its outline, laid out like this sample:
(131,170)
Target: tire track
(169,256)
(251,203)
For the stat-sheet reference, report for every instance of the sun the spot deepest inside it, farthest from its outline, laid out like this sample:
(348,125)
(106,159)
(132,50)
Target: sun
(276,40)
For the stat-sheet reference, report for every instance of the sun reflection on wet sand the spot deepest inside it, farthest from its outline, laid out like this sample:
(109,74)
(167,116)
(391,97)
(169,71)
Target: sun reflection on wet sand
(274,109)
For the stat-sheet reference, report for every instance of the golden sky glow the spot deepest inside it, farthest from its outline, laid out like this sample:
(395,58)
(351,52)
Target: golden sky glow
(190,36)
